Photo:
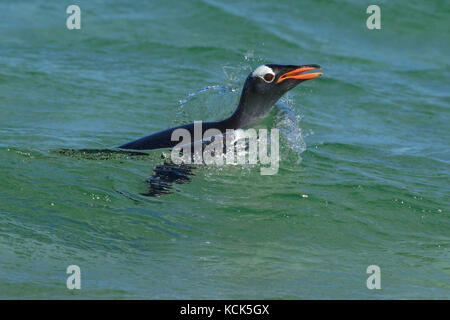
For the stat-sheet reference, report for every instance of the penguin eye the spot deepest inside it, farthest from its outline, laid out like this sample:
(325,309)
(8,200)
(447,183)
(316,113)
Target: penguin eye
(269,77)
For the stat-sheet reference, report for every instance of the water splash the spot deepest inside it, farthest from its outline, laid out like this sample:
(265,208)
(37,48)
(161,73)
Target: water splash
(288,121)
(216,102)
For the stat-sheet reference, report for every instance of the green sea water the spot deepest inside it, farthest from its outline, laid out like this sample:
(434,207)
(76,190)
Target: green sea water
(364,170)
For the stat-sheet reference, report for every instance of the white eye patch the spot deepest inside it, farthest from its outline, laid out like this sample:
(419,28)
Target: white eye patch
(264,73)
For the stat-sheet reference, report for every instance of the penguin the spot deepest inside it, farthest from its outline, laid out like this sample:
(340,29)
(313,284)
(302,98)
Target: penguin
(262,89)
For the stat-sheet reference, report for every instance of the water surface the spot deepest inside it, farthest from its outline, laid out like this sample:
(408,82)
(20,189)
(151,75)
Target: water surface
(364,171)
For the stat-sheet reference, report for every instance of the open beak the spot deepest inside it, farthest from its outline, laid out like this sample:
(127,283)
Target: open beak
(297,73)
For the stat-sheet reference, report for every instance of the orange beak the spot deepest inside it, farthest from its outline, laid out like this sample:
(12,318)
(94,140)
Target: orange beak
(296,74)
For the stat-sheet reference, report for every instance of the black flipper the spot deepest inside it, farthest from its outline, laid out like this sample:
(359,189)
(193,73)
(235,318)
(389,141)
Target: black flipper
(162,139)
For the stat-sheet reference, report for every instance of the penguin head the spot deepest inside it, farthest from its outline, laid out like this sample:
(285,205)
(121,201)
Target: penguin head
(265,85)
(274,80)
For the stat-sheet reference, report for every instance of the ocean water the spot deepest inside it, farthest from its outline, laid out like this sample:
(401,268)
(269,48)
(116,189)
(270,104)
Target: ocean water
(364,170)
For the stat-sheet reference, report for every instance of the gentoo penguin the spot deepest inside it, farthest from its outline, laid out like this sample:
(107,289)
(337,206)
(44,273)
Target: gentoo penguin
(262,89)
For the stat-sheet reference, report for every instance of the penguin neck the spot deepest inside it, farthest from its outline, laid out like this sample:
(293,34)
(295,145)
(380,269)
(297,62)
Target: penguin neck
(250,109)
(240,118)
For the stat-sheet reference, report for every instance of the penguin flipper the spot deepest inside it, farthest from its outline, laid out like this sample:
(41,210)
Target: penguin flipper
(163,139)
(157,140)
